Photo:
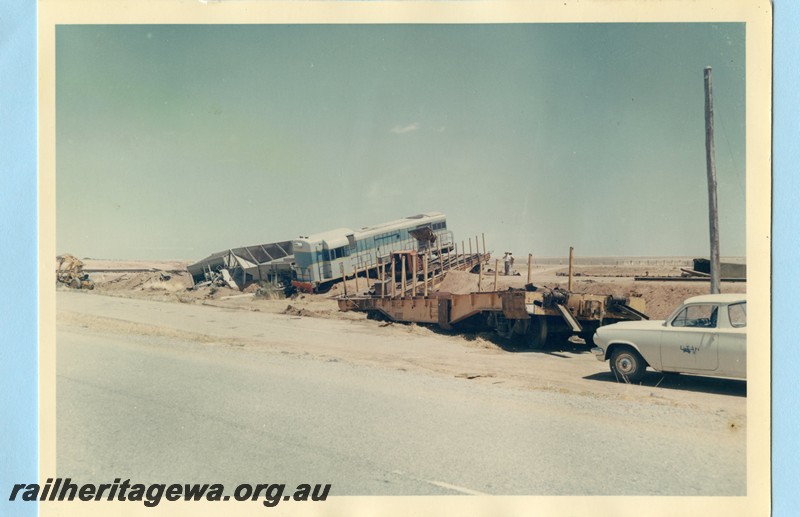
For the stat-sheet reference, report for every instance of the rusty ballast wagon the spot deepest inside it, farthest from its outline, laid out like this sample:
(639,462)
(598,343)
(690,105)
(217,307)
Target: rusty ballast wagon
(532,313)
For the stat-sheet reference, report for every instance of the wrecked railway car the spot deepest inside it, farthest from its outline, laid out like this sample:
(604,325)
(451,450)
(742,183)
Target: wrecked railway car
(313,262)
(239,267)
(533,313)
(70,272)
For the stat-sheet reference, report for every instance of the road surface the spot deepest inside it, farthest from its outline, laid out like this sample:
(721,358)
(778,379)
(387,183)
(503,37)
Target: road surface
(167,392)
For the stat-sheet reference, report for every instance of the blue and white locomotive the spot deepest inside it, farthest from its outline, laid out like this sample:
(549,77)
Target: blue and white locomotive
(323,257)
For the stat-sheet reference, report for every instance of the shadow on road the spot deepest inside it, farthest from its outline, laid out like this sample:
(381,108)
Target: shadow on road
(554,347)
(674,381)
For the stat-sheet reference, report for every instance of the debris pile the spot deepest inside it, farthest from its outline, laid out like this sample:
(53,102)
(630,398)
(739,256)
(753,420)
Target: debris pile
(292,310)
(268,291)
(69,272)
(220,278)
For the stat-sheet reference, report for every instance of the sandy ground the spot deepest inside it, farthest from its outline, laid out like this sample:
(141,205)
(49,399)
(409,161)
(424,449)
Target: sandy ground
(315,332)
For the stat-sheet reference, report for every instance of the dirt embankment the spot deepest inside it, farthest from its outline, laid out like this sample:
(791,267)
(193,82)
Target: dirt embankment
(661,298)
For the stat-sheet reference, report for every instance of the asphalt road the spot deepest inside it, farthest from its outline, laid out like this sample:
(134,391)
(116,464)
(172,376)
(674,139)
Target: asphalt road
(161,408)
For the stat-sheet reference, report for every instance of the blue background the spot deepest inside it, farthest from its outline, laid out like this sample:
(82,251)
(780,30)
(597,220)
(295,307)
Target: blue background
(18,245)
(18,237)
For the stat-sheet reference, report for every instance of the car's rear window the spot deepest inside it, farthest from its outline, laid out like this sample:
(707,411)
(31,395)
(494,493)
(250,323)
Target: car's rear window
(737,313)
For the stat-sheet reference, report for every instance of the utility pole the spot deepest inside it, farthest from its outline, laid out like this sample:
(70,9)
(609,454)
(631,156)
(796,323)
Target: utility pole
(711,171)
(569,281)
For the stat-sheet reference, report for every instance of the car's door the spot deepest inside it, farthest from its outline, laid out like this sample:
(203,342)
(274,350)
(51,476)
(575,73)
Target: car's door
(690,341)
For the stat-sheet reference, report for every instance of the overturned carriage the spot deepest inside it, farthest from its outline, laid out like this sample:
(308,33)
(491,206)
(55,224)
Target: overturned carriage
(239,267)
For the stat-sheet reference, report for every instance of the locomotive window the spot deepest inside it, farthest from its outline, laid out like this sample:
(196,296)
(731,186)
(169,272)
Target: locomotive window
(338,253)
(387,236)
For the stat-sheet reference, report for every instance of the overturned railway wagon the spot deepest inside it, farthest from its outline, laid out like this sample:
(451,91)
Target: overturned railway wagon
(535,314)
(263,262)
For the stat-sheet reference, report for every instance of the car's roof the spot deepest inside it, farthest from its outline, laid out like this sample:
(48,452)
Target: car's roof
(718,298)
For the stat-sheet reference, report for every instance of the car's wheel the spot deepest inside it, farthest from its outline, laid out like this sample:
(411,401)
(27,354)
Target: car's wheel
(628,365)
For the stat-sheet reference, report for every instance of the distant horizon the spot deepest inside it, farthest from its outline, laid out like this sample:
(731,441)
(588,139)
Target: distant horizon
(518,257)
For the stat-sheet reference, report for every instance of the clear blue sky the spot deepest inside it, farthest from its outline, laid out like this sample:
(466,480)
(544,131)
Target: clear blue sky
(174,142)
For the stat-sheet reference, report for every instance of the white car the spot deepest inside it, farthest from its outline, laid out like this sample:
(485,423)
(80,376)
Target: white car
(707,335)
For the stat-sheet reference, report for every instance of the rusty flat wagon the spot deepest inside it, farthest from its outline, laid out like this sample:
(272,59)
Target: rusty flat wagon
(534,313)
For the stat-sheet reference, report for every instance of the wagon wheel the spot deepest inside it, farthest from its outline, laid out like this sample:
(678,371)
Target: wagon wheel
(537,333)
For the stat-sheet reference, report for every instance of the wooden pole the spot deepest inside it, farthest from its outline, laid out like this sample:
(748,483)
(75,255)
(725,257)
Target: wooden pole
(355,275)
(344,280)
(480,274)
(470,247)
(425,273)
(383,279)
(403,277)
(530,263)
(463,254)
(496,265)
(569,282)
(483,238)
(413,275)
(711,172)
(394,287)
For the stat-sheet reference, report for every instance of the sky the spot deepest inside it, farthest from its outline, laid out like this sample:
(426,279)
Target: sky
(177,141)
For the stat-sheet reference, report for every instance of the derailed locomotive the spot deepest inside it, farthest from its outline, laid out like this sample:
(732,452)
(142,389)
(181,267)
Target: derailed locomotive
(323,258)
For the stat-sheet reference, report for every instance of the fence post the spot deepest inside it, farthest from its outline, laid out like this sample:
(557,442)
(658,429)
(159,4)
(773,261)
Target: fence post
(530,260)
